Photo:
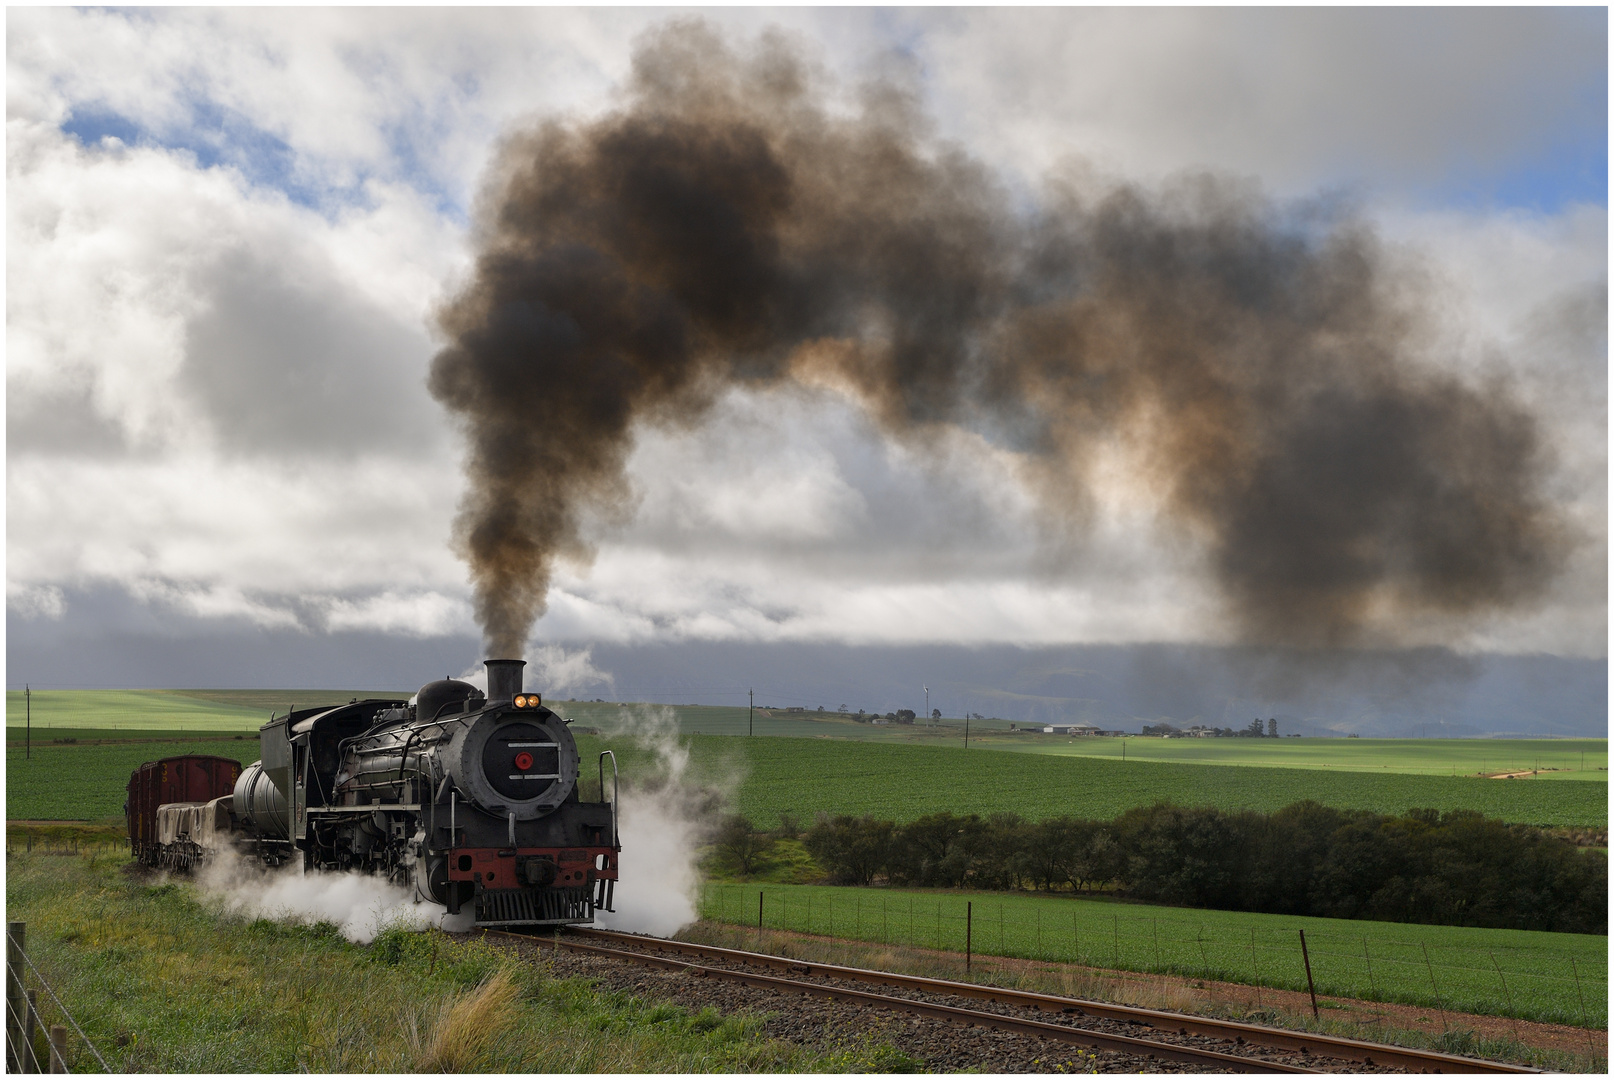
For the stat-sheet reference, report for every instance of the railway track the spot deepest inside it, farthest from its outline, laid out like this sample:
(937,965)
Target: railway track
(1240,1047)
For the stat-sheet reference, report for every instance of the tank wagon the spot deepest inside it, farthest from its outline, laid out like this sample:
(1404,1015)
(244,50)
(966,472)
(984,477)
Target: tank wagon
(470,799)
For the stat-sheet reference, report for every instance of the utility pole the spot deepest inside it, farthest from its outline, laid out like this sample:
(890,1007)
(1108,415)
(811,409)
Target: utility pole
(751,718)
(927,704)
(966,731)
(28,711)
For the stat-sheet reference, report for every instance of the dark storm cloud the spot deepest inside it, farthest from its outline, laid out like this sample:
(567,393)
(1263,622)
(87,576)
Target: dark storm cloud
(1263,369)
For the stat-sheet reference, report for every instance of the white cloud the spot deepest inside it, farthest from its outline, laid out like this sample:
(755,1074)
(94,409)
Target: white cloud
(36,601)
(424,614)
(215,602)
(1300,97)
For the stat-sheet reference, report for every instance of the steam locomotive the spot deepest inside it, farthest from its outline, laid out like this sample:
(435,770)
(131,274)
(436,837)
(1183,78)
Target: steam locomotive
(470,799)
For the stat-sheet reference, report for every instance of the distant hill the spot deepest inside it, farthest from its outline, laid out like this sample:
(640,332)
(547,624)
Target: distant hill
(1427,692)
(1430,693)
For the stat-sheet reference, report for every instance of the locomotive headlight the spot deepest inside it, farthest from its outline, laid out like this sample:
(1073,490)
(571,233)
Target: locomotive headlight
(528,701)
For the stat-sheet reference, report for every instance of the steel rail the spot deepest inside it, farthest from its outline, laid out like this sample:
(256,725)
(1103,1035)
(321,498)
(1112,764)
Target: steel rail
(1369,1053)
(966,1017)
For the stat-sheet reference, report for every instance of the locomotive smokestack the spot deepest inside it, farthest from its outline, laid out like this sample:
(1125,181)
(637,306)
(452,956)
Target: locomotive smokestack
(504,679)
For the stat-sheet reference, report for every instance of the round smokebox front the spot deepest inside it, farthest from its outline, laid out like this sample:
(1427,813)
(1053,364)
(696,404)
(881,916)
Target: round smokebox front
(521,764)
(521,761)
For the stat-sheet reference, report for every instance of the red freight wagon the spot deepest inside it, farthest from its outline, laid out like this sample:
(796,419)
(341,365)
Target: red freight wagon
(197,778)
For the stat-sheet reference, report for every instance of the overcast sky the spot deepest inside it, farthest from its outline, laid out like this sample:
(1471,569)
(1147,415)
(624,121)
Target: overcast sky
(228,230)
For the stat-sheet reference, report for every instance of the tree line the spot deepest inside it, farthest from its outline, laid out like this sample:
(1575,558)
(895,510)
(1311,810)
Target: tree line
(1459,868)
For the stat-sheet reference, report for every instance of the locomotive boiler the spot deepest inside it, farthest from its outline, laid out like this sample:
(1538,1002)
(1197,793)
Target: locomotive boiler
(471,799)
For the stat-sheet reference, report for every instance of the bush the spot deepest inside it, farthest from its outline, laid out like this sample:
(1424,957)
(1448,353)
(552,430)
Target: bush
(1457,868)
(739,841)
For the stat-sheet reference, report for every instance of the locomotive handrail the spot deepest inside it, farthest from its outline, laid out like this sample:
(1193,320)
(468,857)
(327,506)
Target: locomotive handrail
(615,785)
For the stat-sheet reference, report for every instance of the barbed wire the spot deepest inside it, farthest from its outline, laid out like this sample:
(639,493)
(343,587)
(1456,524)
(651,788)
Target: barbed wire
(1111,937)
(84,1038)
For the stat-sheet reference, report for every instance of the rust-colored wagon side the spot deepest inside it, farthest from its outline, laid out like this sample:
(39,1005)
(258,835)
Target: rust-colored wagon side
(194,778)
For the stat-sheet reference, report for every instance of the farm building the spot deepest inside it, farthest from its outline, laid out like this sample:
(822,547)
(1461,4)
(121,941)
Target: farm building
(1070,729)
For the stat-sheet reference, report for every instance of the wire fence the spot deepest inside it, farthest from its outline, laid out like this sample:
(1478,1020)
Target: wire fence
(36,842)
(1444,968)
(23,1018)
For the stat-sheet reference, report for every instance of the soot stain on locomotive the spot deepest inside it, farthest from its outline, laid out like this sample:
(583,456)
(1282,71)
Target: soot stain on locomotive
(458,798)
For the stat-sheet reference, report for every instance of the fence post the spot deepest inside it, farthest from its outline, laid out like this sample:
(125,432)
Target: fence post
(1255,965)
(58,1048)
(969,929)
(31,1062)
(1586,1027)
(1506,994)
(16,1000)
(1444,1025)
(1304,955)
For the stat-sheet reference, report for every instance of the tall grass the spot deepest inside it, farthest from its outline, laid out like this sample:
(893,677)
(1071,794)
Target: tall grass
(468,1026)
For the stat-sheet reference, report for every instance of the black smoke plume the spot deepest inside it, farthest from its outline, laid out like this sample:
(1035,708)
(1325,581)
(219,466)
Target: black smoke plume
(1264,369)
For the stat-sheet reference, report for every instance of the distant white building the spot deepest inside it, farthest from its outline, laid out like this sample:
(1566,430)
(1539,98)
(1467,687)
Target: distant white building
(1070,729)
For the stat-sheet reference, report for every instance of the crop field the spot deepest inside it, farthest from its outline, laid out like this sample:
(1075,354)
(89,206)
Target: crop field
(1554,978)
(183,710)
(1545,759)
(86,781)
(769,777)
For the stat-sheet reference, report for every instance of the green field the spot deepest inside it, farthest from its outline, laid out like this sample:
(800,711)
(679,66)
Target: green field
(902,782)
(1556,759)
(769,777)
(185,710)
(1520,973)
(87,781)
(1570,759)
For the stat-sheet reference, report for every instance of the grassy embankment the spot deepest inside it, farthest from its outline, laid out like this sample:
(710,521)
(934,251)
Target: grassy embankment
(1525,974)
(160,983)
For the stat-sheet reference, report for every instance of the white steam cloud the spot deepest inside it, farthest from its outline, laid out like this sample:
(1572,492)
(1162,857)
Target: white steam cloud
(557,673)
(663,818)
(361,905)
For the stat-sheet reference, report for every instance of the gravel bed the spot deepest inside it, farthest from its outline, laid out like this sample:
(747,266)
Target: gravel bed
(941,1046)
